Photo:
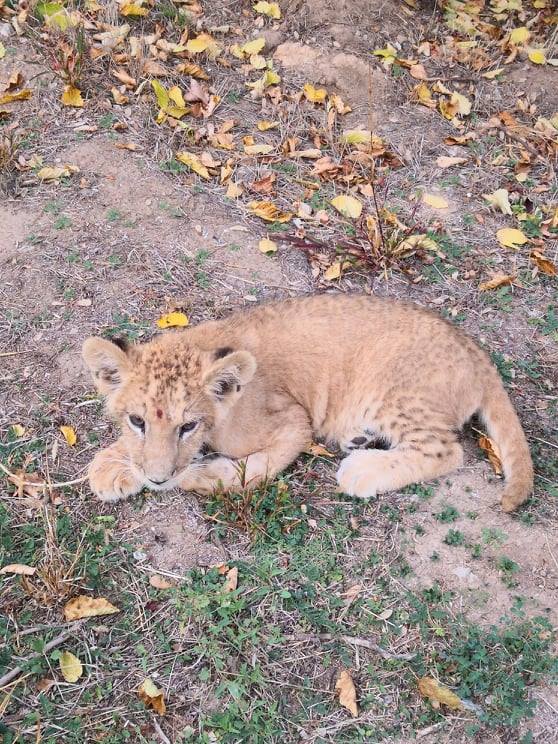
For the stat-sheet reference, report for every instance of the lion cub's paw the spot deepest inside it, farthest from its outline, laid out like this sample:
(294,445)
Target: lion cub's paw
(110,480)
(355,477)
(205,479)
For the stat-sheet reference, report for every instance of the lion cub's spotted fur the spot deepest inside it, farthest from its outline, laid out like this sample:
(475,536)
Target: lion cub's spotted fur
(391,383)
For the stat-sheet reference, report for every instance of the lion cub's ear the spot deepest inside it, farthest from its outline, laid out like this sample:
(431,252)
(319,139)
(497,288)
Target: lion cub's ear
(107,362)
(230,372)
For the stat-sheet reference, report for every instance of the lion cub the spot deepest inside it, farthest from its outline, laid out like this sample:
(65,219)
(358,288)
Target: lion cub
(391,383)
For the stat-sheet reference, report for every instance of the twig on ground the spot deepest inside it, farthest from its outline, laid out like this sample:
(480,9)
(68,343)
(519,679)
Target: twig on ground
(363,642)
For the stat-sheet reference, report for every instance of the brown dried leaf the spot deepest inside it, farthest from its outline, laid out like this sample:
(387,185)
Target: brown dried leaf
(268,211)
(85,606)
(347,693)
(438,694)
(159,582)
(498,280)
(264,185)
(318,450)
(486,444)
(18,568)
(152,697)
(232,580)
(544,264)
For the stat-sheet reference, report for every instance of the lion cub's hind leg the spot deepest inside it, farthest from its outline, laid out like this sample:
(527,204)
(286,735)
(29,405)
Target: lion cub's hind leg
(419,455)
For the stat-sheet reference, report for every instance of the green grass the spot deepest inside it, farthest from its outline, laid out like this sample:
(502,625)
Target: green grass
(254,663)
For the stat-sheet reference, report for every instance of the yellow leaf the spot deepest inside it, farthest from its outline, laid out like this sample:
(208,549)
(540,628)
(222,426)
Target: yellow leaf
(424,95)
(388,54)
(85,606)
(69,434)
(258,149)
(348,206)
(159,582)
(500,199)
(189,68)
(161,94)
(60,171)
(253,47)
(18,430)
(510,237)
(257,61)
(438,694)
(435,201)
(232,580)
(269,9)
(173,320)
(333,272)
(417,241)
(544,264)
(151,696)
(203,43)
(537,57)
(462,103)
(268,211)
(234,190)
(194,163)
(356,136)
(448,162)
(72,97)
(20,95)
(347,693)
(2,50)
(133,10)
(19,569)
(267,246)
(70,666)
(519,35)
(175,95)
(499,280)
(314,95)
(264,125)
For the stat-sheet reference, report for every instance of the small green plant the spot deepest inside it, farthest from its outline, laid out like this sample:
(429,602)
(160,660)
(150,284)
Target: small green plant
(448,514)
(62,222)
(113,215)
(454,538)
(509,570)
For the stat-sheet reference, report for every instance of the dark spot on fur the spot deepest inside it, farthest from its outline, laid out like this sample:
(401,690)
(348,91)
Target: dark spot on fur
(223,352)
(359,440)
(238,388)
(121,342)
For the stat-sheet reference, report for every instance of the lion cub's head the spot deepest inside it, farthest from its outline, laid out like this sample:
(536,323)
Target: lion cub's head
(167,396)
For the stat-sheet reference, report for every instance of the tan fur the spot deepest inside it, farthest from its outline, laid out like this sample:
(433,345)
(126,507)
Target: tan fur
(336,367)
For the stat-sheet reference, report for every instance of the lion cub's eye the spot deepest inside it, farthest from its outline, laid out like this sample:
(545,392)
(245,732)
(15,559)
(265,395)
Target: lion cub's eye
(187,428)
(137,422)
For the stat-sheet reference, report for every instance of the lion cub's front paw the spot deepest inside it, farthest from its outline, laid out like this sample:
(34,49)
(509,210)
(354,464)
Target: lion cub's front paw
(206,478)
(110,480)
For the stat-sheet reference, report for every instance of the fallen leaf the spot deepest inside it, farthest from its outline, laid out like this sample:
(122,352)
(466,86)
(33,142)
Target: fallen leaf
(159,582)
(253,47)
(272,10)
(314,95)
(234,190)
(486,444)
(2,50)
(544,264)
(499,280)
(356,136)
(135,10)
(423,95)
(131,146)
(189,68)
(519,35)
(18,430)
(18,568)
(348,206)
(119,98)
(347,693)
(500,199)
(151,696)
(448,162)
(258,149)
(20,95)
(318,450)
(70,666)
(202,43)
(264,125)
(173,320)
(537,57)
(56,172)
(194,163)
(69,434)
(438,694)
(412,242)
(418,72)
(232,580)
(491,74)
(268,211)
(85,606)
(511,237)
(28,484)
(333,272)
(435,201)
(267,246)
(264,185)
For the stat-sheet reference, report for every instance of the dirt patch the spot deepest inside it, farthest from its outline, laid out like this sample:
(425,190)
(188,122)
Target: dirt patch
(487,557)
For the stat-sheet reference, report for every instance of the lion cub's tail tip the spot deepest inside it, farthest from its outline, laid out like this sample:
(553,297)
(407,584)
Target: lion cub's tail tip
(507,433)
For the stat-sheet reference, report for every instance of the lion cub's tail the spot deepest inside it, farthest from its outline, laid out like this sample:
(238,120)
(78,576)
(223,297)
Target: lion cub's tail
(507,433)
